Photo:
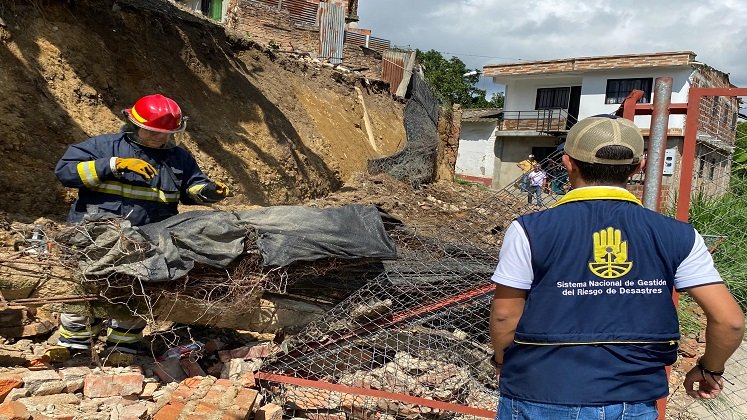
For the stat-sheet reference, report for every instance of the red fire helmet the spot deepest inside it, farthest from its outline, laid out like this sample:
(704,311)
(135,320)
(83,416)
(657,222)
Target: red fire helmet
(157,113)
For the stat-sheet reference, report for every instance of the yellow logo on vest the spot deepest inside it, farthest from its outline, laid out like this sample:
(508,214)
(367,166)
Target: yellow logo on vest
(610,254)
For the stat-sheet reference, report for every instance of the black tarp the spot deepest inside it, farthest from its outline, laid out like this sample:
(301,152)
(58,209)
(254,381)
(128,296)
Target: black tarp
(169,249)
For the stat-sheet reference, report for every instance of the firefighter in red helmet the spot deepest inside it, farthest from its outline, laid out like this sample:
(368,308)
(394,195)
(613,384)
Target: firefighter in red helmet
(141,175)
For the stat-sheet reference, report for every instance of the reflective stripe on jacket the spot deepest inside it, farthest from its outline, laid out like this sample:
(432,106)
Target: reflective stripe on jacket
(90,167)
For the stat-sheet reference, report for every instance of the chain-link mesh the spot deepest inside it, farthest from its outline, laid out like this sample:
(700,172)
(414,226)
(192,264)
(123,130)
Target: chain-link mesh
(417,333)
(416,163)
(552,188)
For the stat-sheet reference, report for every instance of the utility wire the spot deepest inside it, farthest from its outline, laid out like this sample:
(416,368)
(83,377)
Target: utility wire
(483,56)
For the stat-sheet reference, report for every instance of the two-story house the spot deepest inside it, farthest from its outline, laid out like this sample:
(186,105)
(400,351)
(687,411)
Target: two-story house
(545,98)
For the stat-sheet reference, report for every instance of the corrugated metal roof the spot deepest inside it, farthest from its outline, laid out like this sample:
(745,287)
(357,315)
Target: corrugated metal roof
(393,68)
(331,30)
(374,43)
(378,44)
(302,11)
(299,11)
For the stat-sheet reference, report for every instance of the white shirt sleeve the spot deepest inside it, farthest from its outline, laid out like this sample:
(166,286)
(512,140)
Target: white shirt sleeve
(697,269)
(515,260)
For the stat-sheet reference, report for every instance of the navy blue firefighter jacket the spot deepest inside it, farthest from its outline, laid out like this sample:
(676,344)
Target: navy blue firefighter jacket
(89,166)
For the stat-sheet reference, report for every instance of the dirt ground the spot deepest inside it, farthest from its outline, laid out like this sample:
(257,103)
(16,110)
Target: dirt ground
(275,128)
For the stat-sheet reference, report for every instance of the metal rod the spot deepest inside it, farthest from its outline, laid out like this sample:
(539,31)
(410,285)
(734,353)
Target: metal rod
(657,143)
(55,299)
(376,393)
(628,105)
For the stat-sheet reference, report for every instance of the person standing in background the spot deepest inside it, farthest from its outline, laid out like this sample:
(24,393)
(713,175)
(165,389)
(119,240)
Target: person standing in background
(526,166)
(536,182)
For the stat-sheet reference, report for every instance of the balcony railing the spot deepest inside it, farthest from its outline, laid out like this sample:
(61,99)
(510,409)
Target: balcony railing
(542,121)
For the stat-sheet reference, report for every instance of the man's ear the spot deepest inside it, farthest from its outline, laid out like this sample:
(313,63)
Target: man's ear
(568,164)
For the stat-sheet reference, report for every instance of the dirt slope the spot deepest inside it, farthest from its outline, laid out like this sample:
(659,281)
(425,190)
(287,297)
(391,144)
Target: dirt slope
(279,130)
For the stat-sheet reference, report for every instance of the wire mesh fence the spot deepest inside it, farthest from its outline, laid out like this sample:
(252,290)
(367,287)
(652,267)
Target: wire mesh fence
(416,163)
(411,343)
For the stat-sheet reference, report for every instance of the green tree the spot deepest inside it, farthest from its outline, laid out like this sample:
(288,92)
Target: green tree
(447,78)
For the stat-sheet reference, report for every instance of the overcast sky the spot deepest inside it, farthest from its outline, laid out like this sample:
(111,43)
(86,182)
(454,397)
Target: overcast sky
(504,31)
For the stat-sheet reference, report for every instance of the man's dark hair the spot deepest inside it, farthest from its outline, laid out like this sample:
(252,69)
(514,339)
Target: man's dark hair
(600,174)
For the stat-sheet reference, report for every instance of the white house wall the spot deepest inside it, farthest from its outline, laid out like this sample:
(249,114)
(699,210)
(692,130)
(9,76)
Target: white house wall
(594,87)
(476,154)
(521,95)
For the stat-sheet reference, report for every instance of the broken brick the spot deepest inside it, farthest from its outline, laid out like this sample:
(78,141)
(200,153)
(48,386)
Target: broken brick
(191,368)
(204,408)
(261,350)
(14,410)
(325,415)
(35,379)
(269,412)
(16,394)
(129,412)
(45,400)
(74,377)
(195,386)
(169,411)
(247,379)
(96,386)
(7,384)
(169,370)
(148,390)
(244,401)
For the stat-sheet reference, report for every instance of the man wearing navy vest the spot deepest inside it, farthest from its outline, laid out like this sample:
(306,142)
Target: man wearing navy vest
(582,321)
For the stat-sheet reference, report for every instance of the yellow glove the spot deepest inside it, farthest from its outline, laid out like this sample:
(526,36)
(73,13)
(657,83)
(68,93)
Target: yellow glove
(223,190)
(137,166)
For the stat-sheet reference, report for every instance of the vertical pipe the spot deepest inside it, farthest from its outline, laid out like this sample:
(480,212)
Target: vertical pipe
(685,188)
(688,154)
(657,143)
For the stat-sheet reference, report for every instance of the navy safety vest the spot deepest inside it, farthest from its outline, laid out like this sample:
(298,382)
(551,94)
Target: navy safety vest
(599,324)
(87,166)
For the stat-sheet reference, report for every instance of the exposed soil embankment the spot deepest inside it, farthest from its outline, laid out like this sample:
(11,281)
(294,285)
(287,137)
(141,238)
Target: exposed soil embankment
(278,129)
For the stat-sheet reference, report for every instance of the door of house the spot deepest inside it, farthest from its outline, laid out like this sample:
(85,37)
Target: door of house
(216,9)
(573,104)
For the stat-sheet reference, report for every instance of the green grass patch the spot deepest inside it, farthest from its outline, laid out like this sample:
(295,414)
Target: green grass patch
(723,223)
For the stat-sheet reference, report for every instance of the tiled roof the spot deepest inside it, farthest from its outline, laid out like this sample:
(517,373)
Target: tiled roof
(481,114)
(583,64)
